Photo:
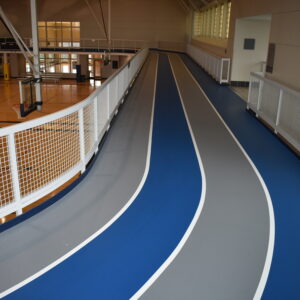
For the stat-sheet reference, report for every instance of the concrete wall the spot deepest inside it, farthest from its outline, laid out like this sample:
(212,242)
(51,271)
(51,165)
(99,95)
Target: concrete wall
(246,61)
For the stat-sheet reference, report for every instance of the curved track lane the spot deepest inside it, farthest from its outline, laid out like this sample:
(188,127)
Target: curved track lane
(115,177)
(280,169)
(122,258)
(225,254)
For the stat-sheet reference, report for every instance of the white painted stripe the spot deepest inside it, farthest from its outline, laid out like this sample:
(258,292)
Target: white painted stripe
(269,256)
(109,223)
(189,230)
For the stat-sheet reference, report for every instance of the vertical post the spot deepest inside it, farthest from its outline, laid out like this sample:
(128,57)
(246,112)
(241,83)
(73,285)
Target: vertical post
(261,84)
(278,110)
(5,67)
(249,92)
(96,121)
(14,172)
(36,60)
(109,25)
(81,139)
(221,71)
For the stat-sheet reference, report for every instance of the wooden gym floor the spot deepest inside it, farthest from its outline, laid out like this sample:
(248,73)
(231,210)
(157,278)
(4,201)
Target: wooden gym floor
(56,96)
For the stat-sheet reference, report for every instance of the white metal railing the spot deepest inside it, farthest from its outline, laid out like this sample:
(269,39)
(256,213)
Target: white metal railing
(277,105)
(91,43)
(38,156)
(217,67)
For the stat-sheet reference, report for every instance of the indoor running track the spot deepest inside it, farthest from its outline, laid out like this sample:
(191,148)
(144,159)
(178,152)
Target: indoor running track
(118,262)
(280,169)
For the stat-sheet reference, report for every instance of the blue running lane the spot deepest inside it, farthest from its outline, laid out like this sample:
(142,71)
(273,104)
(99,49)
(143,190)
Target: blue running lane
(280,169)
(118,262)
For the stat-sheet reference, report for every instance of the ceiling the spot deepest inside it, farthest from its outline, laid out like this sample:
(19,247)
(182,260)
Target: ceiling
(188,5)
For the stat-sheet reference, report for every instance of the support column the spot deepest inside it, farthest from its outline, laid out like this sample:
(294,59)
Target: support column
(36,60)
(83,60)
(5,67)
(109,26)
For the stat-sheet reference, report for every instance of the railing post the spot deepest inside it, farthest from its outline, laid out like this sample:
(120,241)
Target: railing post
(249,92)
(278,110)
(81,139)
(261,84)
(14,172)
(96,122)
(221,71)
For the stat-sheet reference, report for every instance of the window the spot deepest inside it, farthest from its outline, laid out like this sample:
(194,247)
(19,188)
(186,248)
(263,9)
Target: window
(59,34)
(56,63)
(213,22)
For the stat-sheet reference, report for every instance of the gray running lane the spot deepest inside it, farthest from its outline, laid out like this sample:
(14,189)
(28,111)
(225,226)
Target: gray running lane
(35,243)
(225,254)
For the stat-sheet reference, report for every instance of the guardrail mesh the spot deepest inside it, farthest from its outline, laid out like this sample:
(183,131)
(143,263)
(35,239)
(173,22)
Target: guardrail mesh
(6,188)
(89,132)
(290,116)
(269,105)
(45,152)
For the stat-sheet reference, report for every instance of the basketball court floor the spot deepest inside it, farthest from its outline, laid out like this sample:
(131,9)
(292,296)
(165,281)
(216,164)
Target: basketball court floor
(57,95)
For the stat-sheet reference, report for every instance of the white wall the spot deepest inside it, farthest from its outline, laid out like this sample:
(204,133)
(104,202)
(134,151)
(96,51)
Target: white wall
(246,61)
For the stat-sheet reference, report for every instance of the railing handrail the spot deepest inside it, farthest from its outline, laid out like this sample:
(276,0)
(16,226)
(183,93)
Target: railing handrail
(209,53)
(27,151)
(276,83)
(213,64)
(69,110)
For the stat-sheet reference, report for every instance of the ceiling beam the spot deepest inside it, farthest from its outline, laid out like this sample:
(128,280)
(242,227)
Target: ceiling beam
(183,5)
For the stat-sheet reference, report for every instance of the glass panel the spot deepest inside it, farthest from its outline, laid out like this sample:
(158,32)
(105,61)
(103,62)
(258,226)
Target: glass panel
(66,34)
(67,44)
(50,24)
(65,67)
(42,33)
(41,23)
(51,33)
(76,24)
(66,24)
(76,34)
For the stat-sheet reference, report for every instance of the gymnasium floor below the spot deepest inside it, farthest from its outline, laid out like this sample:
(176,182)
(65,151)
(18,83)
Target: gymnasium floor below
(56,96)
(179,204)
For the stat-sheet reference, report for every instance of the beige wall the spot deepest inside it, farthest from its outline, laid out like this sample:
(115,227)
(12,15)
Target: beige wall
(156,21)
(284,33)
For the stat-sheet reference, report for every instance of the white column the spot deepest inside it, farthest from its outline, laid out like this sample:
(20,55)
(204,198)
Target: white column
(109,25)
(36,60)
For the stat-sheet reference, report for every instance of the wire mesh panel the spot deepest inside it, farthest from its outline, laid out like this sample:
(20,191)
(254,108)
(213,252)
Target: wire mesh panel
(211,63)
(121,88)
(289,121)
(126,80)
(43,154)
(269,102)
(253,93)
(89,130)
(103,110)
(6,188)
(113,95)
(47,151)
(225,70)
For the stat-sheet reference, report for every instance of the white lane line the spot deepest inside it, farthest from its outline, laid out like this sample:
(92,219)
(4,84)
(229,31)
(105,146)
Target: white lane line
(269,256)
(109,223)
(189,230)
